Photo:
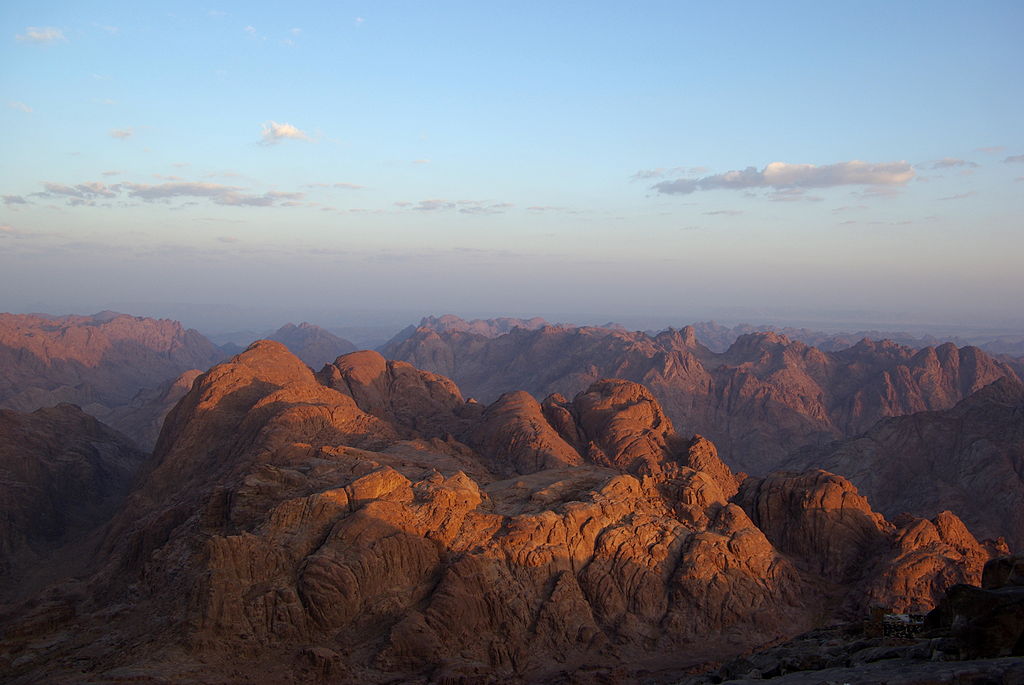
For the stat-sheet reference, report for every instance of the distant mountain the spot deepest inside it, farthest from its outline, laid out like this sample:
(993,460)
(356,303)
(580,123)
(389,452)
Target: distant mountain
(764,397)
(488,328)
(718,338)
(968,459)
(312,344)
(365,523)
(98,362)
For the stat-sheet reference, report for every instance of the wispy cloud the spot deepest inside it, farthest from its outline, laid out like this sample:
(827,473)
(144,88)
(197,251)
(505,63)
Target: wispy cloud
(274,133)
(991,149)
(724,212)
(89,193)
(20,106)
(952,162)
(14,200)
(461,206)
(959,196)
(421,161)
(339,186)
(1014,159)
(215,192)
(792,195)
(122,133)
(41,34)
(665,172)
(784,175)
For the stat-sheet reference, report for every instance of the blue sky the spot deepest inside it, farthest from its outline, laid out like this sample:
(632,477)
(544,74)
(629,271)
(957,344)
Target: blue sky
(599,158)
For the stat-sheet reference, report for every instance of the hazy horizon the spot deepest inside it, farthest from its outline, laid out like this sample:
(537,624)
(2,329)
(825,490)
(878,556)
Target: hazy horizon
(803,162)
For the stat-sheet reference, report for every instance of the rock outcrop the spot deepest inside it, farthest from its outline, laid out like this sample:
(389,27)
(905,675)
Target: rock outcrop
(365,523)
(758,401)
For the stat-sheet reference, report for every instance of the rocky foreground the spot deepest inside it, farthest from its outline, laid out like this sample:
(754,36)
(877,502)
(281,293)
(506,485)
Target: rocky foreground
(368,524)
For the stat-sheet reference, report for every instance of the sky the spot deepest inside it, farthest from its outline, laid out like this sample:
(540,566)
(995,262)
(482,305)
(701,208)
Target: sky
(810,160)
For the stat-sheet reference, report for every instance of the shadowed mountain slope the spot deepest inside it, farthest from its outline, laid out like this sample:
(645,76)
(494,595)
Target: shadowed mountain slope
(969,459)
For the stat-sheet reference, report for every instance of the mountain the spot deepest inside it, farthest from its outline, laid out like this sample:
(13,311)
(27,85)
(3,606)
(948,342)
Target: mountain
(969,459)
(98,362)
(62,473)
(489,328)
(367,524)
(312,344)
(760,400)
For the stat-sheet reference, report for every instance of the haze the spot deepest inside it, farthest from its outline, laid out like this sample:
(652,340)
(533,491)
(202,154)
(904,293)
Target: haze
(808,160)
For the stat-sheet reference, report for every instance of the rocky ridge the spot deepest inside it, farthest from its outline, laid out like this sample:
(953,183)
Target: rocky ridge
(761,399)
(98,362)
(366,523)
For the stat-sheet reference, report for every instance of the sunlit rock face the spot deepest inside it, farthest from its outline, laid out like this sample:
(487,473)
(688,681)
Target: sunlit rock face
(367,523)
(758,401)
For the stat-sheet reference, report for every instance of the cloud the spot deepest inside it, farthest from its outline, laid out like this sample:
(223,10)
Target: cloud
(274,133)
(122,133)
(951,162)
(14,200)
(461,206)
(725,212)
(664,172)
(959,196)
(340,186)
(421,161)
(110,173)
(784,175)
(41,34)
(992,149)
(215,192)
(20,106)
(88,193)
(228,239)
(792,195)
(1014,159)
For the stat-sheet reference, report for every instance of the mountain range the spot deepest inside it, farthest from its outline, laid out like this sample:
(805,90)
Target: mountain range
(761,399)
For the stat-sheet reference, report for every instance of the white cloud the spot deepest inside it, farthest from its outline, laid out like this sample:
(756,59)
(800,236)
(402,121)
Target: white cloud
(784,175)
(274,132)
(122,133)
(41,34)
(20,105)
